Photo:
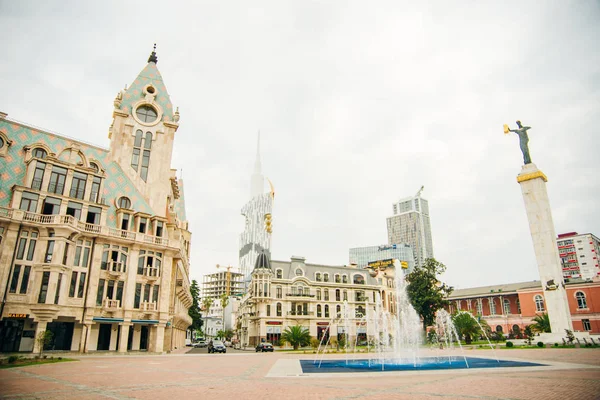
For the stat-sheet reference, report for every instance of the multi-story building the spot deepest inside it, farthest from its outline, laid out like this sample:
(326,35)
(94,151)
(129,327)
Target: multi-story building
(511,307)
(579,255)
(362,256)
(256,237)
(410,224)
(95,243)
(283,294)
(227,282)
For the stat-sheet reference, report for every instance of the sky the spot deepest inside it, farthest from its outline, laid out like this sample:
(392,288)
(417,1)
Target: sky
(358,105)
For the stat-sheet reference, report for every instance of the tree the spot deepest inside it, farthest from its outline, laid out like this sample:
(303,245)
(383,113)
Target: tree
(466,325)
(541,323)
(224,303)
(194,310)
(427,294)
(296,336)
(206,303)
(528,334)
(44,339)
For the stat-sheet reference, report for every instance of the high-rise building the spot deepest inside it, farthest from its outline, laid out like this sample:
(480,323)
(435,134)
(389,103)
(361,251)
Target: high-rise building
(220,283)
(579,255)
(256,237)
(94,242)
(362,256)
(410,224)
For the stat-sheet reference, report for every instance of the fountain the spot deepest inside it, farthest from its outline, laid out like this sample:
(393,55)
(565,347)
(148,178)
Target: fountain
(395,338)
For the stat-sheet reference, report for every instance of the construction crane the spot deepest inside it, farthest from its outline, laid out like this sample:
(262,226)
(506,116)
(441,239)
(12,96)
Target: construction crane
(420,191)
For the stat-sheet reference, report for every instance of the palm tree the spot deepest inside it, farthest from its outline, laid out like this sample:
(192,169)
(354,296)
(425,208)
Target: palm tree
(541,323)
(224,303)
(296,336)
(466,325)
(206,303)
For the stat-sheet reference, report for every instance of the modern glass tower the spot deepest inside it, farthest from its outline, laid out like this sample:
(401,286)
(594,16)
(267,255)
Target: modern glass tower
(410,224)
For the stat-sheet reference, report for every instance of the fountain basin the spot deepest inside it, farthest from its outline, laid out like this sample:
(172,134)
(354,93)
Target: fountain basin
(422,364)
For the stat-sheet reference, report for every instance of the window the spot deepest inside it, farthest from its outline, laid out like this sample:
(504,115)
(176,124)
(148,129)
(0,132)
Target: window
(279,309)
(143,151)
(359,279)
(95,167)
(143,223)
(318,277)
(15,279)
(1,233)
(138,295)
(344,278)
(38,175)
(345,295)
(479,307)
(326,294)
(581,300)
(326,310)
(26,242)
(318,294)
(492,306)
(359,312)
(518,306)
(278,292)
(39,153)
(114,258)
(586,325)
(93,215)
(299,272)
(319,310)
(29,202)
(338,311)
(74,209)
(325,277)
(279,274)
(78,185)
(58,284)
(337,295)
(268,310)
(51,206)
(124,202)
(95,192)
(73,285)
(146,114)
(539,303)
(57,180)
(159,228)
(337,278)
(149,263)
(125,222)
(506,306)
(82,253)
(44,287)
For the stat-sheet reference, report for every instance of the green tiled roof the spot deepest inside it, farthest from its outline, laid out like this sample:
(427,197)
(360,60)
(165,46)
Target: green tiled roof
(135,92)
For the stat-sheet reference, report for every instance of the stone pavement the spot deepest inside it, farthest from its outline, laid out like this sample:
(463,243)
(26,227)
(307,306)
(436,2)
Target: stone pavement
(574,374)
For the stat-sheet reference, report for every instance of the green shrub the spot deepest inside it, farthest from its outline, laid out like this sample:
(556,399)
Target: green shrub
(555,344)
(12,359)
(509,344)
(540,344)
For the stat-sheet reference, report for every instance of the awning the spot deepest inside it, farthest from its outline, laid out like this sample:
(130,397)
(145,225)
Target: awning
(145,321)
(109,320)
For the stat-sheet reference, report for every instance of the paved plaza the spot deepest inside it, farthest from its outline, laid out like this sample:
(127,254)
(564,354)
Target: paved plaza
(570,374)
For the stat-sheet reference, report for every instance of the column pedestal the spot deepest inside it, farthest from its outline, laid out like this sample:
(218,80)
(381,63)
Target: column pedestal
(537,205)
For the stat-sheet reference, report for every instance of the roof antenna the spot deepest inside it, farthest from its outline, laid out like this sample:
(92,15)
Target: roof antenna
(153,57)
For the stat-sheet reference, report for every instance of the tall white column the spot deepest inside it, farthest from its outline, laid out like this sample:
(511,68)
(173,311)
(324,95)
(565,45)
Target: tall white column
(537,205)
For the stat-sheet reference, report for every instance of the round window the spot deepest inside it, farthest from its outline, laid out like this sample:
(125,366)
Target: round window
(146,114)
(124,202)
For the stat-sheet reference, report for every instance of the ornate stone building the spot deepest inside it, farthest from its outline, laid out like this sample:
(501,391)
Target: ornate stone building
(94,242)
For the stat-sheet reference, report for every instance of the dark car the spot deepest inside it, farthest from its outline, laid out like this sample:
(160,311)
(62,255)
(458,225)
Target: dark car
(266,346)
(216,346)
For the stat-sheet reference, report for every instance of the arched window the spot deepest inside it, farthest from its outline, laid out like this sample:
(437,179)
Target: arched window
(124,202)
(344,278)
(326,294)
(359,279)
(279,274)
(318,310)
(581,301)
(279,292)
(539,303)
(325,277)
(94,166)
(506,306)
(337,294)
(345,295)
(149,263)
(318,294)
(326,311)
(318,276)
(499,328)
(337,278)
(39,153)
(338,311)
(279,309)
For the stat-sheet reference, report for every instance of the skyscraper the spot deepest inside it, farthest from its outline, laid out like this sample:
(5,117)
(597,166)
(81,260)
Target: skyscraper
(410,224)
(256,237)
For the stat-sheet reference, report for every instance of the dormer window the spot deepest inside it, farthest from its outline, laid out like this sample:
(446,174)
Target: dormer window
(299,272)
(325,277)
(359,280)
(39,153)
(318,277)
(279,274)
(143,223)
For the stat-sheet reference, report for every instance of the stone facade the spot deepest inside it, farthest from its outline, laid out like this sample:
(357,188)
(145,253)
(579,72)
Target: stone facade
(94,242)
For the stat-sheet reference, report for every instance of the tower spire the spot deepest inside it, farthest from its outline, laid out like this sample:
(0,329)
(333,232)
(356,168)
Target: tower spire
(153,58)
(257,164)
(257,183)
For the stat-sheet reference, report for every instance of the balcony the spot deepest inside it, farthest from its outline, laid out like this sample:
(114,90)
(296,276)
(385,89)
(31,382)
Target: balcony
(151,273)
(148,307)
(300,313)
(115,268)
(296,294)
(111,305)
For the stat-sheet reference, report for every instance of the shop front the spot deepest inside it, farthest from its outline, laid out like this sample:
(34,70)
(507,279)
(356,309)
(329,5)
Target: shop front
(17,333)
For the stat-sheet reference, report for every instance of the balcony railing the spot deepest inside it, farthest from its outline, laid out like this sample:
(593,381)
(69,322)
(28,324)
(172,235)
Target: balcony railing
(148,306)
(300,313)
(55,219)
(110,304)
(115,267)
(296,294)
(151,272)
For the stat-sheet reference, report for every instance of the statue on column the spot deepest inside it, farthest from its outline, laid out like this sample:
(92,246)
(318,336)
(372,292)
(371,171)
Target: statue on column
(523,140)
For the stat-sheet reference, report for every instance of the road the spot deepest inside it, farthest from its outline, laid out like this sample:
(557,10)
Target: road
(204,350)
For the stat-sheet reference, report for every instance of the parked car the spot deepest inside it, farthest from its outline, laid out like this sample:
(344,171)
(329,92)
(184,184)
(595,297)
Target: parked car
(216,346)
(227,343)
(201,343)
(188,342)
(265,346)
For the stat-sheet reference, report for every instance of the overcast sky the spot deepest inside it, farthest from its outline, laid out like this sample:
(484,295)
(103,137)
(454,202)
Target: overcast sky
(358,104)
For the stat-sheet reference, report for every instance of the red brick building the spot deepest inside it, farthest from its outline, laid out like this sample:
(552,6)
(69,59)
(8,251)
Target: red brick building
(506,307)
